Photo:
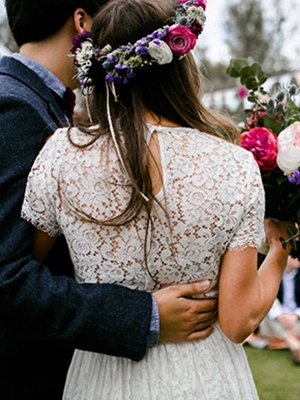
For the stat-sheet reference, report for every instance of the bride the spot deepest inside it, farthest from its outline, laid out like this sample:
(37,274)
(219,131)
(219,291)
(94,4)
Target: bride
(158,190)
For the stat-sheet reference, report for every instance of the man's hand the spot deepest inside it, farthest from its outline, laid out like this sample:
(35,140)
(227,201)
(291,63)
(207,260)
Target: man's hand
(182,318)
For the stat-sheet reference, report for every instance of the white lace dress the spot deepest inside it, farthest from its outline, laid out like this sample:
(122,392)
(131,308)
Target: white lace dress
(214,197)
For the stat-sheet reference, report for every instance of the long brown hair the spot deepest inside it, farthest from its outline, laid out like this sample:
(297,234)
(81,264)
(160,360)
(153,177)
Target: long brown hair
(172,91)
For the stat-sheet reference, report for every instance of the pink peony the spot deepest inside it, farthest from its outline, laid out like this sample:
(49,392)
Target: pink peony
(197,3)
(180,39)
(262,142)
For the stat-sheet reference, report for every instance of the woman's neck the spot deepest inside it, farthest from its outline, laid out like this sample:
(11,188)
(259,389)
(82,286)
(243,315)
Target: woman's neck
(154,119)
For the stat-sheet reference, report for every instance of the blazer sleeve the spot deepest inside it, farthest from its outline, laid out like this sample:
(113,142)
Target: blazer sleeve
(35,302)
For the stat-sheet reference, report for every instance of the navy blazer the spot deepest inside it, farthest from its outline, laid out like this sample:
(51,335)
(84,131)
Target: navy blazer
(44,313)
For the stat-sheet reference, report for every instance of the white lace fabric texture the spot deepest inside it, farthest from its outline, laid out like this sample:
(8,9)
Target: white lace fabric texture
(215,201)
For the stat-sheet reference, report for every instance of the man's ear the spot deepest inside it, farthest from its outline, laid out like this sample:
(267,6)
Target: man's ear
(82,20)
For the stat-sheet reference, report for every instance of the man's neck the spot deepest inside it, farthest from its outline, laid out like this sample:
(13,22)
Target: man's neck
(54,56)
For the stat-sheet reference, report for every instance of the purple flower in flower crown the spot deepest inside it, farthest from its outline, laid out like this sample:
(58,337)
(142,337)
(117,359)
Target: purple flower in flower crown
(120,66)
(110,78)
(158,34)
(157,42)
(130,75)
(111,57)
(141,50)
(180,39)
(294,177)
(79,39)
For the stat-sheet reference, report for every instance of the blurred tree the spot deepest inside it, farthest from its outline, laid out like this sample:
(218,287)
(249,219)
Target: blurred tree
(6,37)
(257,32)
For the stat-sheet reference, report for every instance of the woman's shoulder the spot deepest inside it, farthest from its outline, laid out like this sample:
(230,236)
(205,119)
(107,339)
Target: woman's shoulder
(74,138)
(203,141)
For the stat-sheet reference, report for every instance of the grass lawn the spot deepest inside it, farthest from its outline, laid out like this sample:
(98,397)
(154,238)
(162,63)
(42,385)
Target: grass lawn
(276,377)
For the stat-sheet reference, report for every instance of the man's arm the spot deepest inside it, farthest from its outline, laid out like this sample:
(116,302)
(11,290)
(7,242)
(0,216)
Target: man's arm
(34,302)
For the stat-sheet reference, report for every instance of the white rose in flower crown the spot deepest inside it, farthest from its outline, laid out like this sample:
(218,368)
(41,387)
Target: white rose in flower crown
(161,53)
(288,157)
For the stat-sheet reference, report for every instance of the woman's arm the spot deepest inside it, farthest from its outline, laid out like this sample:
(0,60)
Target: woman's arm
(247,293)
(42,244)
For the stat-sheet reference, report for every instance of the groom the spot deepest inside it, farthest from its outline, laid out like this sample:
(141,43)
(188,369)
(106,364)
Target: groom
(44,313)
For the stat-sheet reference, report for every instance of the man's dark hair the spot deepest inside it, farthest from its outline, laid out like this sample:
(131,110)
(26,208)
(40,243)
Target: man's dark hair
(34,20)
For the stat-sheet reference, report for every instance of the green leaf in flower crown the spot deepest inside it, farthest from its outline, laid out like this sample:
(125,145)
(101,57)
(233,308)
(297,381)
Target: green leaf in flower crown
(270,123)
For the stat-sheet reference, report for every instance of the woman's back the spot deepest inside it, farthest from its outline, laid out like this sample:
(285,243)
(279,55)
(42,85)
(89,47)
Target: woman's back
(206,194)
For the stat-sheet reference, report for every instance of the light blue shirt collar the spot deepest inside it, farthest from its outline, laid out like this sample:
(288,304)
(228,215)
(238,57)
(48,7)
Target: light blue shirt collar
(44,73)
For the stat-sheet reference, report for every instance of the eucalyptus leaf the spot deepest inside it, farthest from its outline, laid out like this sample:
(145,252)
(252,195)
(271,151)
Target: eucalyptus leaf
(252,82)
(235,66)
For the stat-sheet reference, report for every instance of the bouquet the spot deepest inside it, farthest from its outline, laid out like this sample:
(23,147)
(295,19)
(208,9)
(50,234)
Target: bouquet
(271,131)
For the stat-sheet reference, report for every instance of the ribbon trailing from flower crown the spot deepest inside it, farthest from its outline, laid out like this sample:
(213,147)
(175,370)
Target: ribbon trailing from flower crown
(159,47)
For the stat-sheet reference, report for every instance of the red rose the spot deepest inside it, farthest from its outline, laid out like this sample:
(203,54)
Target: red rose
(180,39)
(262,142)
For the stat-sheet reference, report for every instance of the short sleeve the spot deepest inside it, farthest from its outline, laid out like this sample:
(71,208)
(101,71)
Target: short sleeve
(251,231)
(42,201)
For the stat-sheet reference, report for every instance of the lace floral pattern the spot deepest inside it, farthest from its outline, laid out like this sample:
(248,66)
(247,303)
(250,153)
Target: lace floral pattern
(215,201)
(212,192)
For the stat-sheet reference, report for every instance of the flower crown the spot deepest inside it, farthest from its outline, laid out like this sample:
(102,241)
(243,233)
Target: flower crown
(119,65)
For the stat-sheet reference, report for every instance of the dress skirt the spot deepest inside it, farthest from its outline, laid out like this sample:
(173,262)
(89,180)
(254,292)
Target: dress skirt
(211,369)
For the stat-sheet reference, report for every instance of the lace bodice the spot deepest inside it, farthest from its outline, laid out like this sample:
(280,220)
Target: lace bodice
(212,192)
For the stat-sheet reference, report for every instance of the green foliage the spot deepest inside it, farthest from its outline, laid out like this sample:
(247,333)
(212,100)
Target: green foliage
(279,109)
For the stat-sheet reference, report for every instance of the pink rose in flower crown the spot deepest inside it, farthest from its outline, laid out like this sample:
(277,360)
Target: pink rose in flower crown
(180,39)
(197,3)
(262,142)
(288,158)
